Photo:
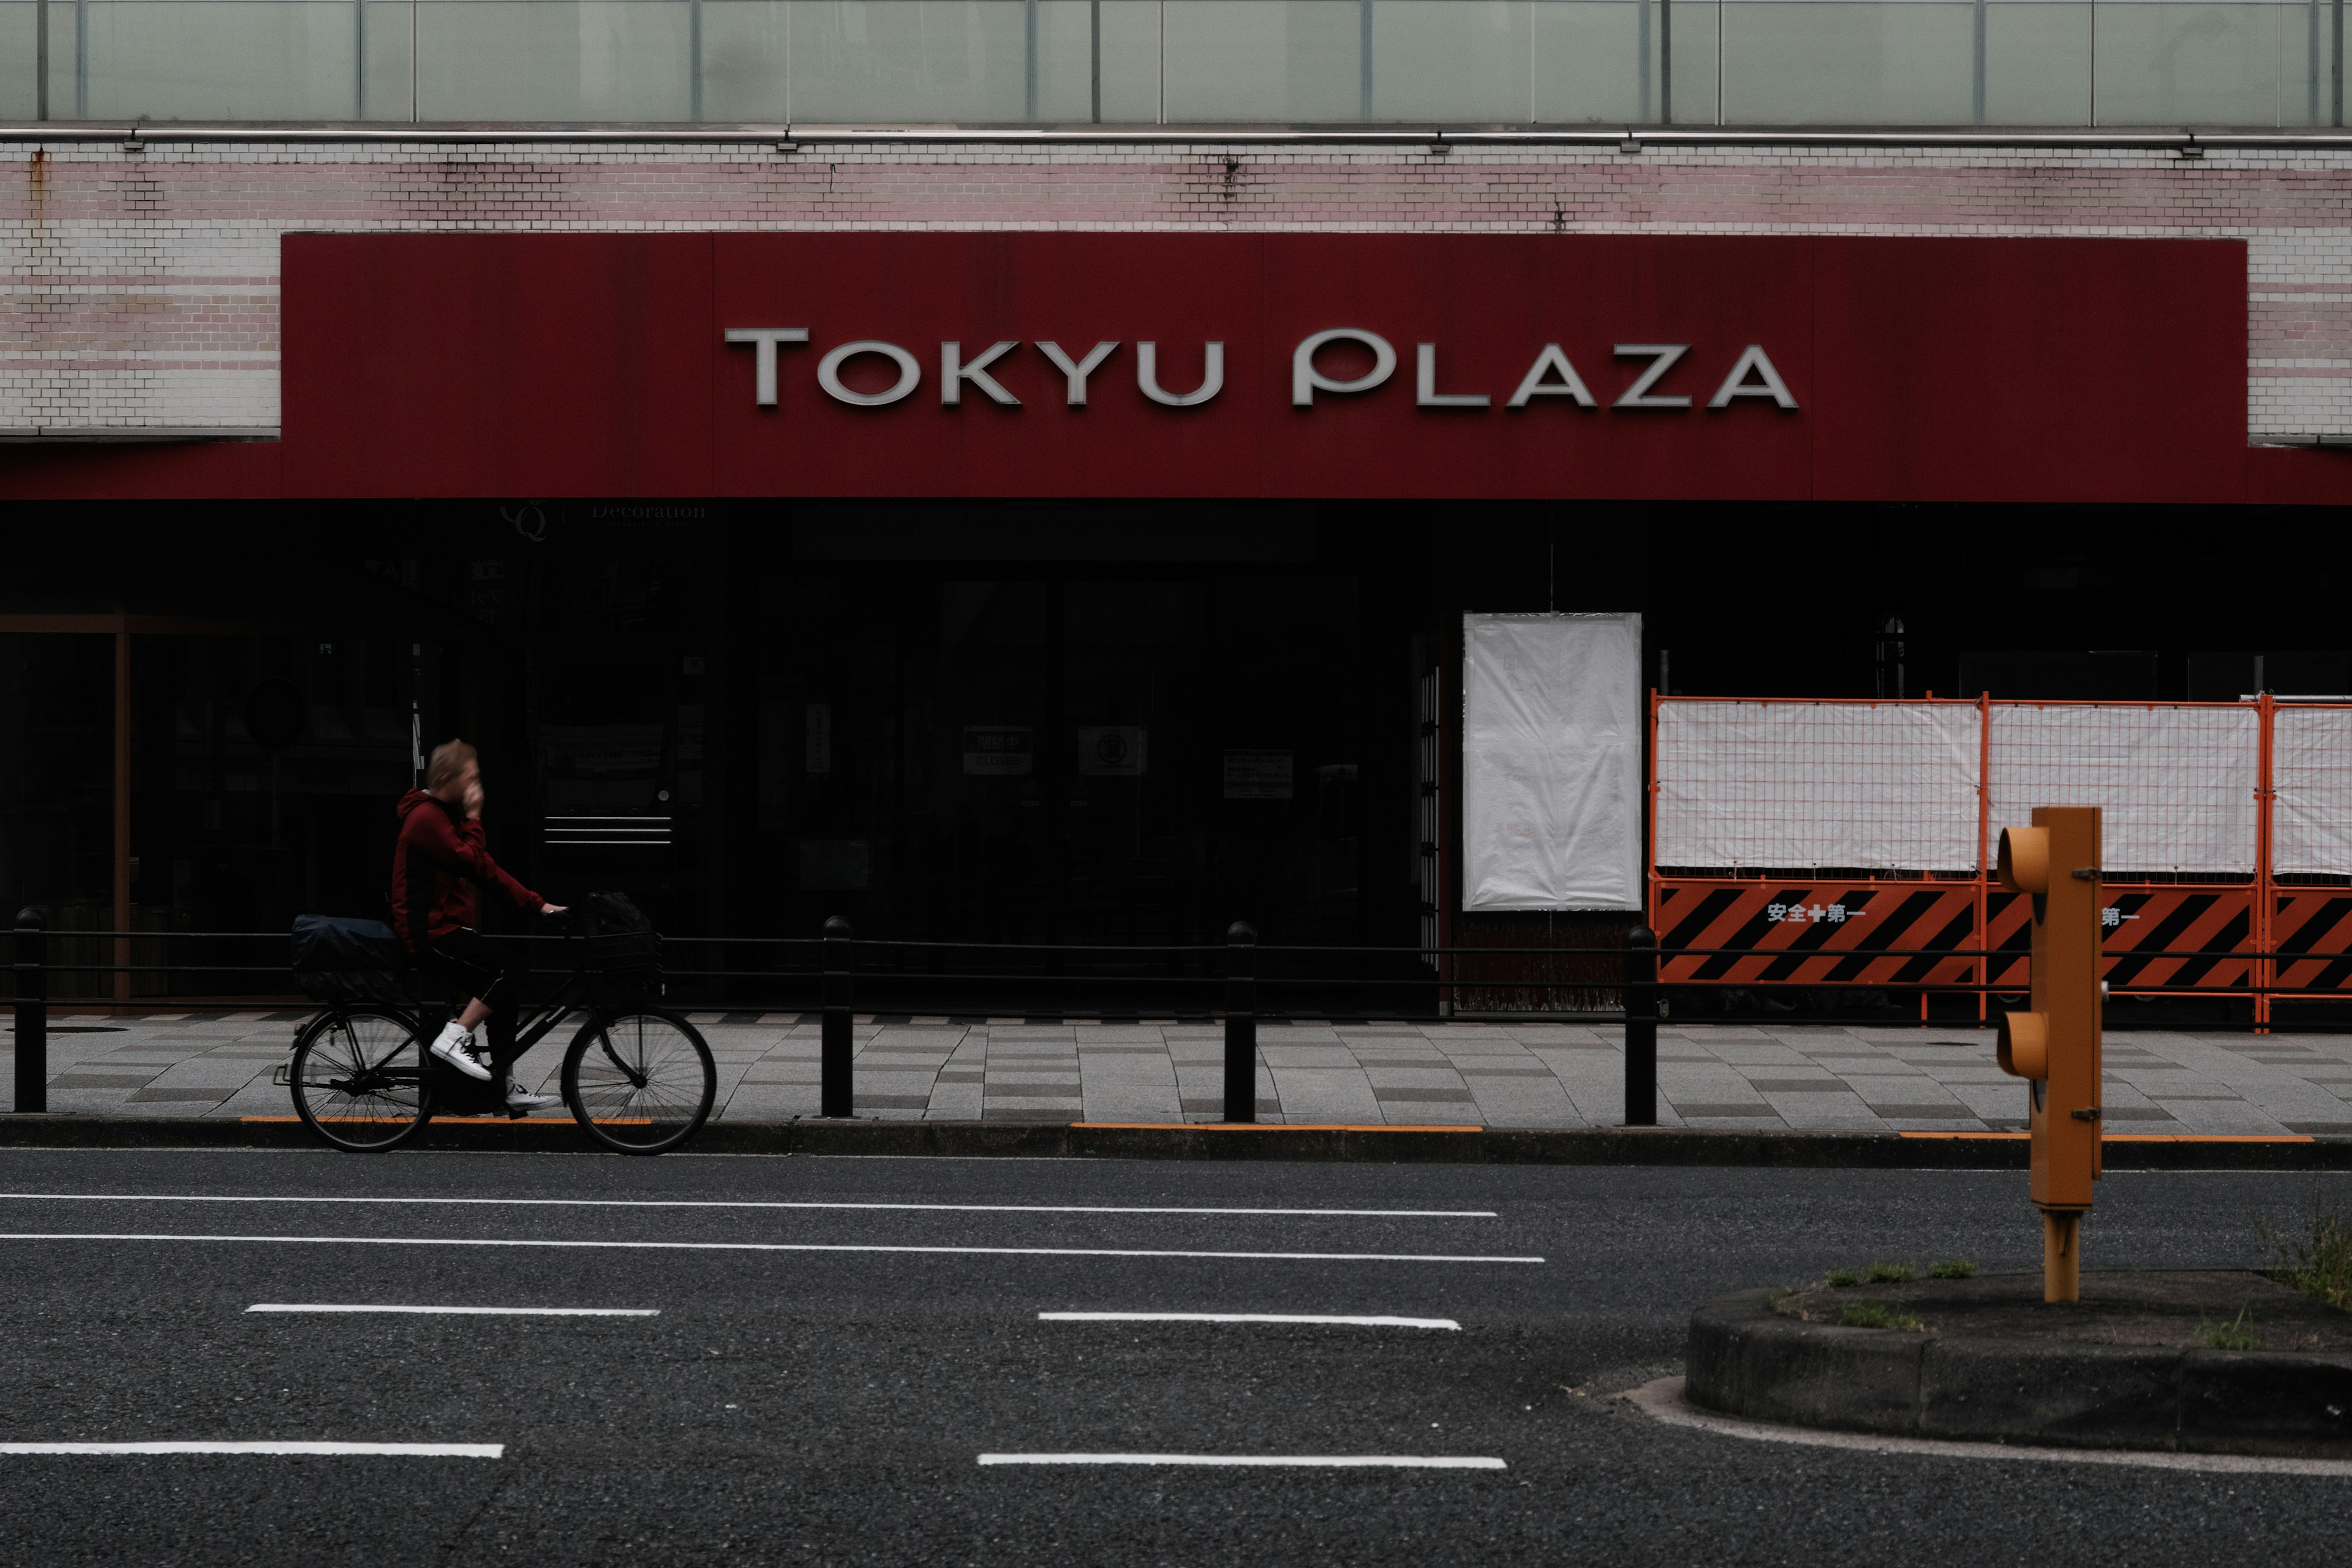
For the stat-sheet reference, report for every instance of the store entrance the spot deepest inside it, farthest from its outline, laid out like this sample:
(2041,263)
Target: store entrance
(1063,756)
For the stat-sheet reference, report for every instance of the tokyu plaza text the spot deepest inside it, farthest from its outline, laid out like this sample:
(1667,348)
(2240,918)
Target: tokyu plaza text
(1549,373)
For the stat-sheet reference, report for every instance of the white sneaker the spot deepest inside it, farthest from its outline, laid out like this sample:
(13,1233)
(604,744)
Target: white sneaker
(457,1047)
(521,1099)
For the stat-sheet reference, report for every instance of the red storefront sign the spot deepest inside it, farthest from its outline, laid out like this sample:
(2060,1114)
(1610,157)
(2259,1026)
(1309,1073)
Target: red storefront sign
(599,365)
(1641,367)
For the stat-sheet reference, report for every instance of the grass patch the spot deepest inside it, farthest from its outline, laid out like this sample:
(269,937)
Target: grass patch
(1892,1273)
(2320,1264)
(1953,1268)
(1780,1295)
(2237,1334)
(1845,1279)
(1872,1315)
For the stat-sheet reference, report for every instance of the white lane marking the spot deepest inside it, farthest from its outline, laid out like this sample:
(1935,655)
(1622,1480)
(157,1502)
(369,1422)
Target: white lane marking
(404,1450)
(772,1247)
(1662,1401)
(465,1312)
(731,1204)
(1309,1461)
(1245,1318)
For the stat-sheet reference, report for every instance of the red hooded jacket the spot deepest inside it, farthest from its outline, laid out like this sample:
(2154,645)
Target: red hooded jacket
(437,867)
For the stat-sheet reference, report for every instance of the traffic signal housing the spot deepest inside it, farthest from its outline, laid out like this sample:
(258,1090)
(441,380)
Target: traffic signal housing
(2055,1045)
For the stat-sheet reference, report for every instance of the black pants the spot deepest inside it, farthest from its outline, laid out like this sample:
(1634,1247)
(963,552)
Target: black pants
(469,964)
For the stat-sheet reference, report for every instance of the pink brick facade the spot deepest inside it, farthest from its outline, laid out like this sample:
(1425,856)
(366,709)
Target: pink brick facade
(138,290)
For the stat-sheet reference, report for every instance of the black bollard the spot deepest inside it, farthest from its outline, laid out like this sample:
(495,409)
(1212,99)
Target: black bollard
(32,1014)
(833,1096)
(1241,1022)
(1642,1027)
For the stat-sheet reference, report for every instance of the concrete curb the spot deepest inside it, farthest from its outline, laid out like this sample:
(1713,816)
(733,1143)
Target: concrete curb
(1471,1145)
(1748,1361)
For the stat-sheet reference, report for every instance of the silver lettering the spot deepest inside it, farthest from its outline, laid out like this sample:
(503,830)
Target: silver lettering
(763,356)
(1551,363)
(1077,374)
(1425,393)
(1662,360)
(1212,375)
(1306,381)
(1755,361)
(828,373)
(955,370)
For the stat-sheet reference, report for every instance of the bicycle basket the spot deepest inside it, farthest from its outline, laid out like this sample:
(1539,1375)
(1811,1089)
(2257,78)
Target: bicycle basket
(621,940)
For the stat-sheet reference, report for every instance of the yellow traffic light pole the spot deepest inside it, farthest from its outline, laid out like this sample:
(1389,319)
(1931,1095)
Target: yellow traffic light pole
(2055,1047)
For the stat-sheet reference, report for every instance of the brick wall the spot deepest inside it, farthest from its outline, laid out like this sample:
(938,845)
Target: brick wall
(140,288)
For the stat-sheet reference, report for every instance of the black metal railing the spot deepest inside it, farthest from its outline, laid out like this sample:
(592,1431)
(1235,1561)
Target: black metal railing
(1242,981)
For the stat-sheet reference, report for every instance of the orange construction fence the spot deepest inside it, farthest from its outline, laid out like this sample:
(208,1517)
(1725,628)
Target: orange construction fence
(1851,842)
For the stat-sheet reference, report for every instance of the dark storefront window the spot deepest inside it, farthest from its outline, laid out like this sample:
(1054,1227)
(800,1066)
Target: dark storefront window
(1061,759)
(1118,726)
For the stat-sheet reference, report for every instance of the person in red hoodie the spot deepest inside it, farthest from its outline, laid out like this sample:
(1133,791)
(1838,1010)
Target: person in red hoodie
(439,866)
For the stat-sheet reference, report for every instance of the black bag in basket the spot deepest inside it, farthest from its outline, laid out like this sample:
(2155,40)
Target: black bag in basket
(621,940)
(337,958)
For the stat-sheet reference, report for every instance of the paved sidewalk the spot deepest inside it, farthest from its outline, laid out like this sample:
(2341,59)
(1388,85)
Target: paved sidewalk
(1394,1074)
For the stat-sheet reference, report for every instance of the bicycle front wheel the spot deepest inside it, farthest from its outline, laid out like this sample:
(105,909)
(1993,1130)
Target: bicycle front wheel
(639,1081)
(359,1079)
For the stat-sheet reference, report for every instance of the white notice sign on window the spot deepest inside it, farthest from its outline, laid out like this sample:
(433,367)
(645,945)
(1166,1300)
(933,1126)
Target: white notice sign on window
(997,751)
(1113,751)
(1258,775)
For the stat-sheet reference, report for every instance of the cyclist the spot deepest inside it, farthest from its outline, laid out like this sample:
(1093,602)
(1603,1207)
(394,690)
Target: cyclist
(439,865)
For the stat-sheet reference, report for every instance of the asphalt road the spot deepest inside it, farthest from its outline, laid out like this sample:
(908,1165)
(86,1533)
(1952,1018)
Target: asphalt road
(820,1383)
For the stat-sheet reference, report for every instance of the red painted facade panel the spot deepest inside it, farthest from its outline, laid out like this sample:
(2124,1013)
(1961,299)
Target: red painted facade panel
(594,365)
(497,364)
(2072,370)
(2299,475)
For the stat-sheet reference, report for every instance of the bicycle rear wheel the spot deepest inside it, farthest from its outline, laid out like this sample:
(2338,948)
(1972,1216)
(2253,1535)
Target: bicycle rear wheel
(639,1080)
(359,1079)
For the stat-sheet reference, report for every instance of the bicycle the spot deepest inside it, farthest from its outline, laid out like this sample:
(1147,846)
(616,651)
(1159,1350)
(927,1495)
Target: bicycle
(638,1077)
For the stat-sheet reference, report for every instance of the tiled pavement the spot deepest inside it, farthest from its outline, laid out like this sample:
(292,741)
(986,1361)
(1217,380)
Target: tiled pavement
(1496,1074)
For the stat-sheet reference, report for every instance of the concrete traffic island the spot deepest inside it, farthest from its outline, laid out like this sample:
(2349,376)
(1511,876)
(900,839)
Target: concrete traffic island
(2130,1365)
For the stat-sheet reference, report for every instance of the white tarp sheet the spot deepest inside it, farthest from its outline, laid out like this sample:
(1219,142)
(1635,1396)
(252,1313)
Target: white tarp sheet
(2176,783)
(2311,769)
(1551,762)
(1788,785)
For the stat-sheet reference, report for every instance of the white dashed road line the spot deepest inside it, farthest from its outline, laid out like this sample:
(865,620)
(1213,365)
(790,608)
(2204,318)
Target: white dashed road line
(768,1246)
(729,1204)
(462,1312)
(364,1450)
(1361,1323)
(1260,1461)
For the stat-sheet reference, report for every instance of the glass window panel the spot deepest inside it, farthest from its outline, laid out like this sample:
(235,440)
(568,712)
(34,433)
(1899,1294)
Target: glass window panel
(1065,62)
(1590,58)
(927,61)
(2303,55)
(1455,60)
(2188,64)
(743,60)
(1848,62)
(1694,37)
(19,92)
(1130,61)
(1264,61)
(2037,63)
(1870,62)
(560,59)
(390,60)
(221,59)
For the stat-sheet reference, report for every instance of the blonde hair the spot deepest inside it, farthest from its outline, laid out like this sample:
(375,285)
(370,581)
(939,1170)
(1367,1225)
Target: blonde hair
(450,758)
